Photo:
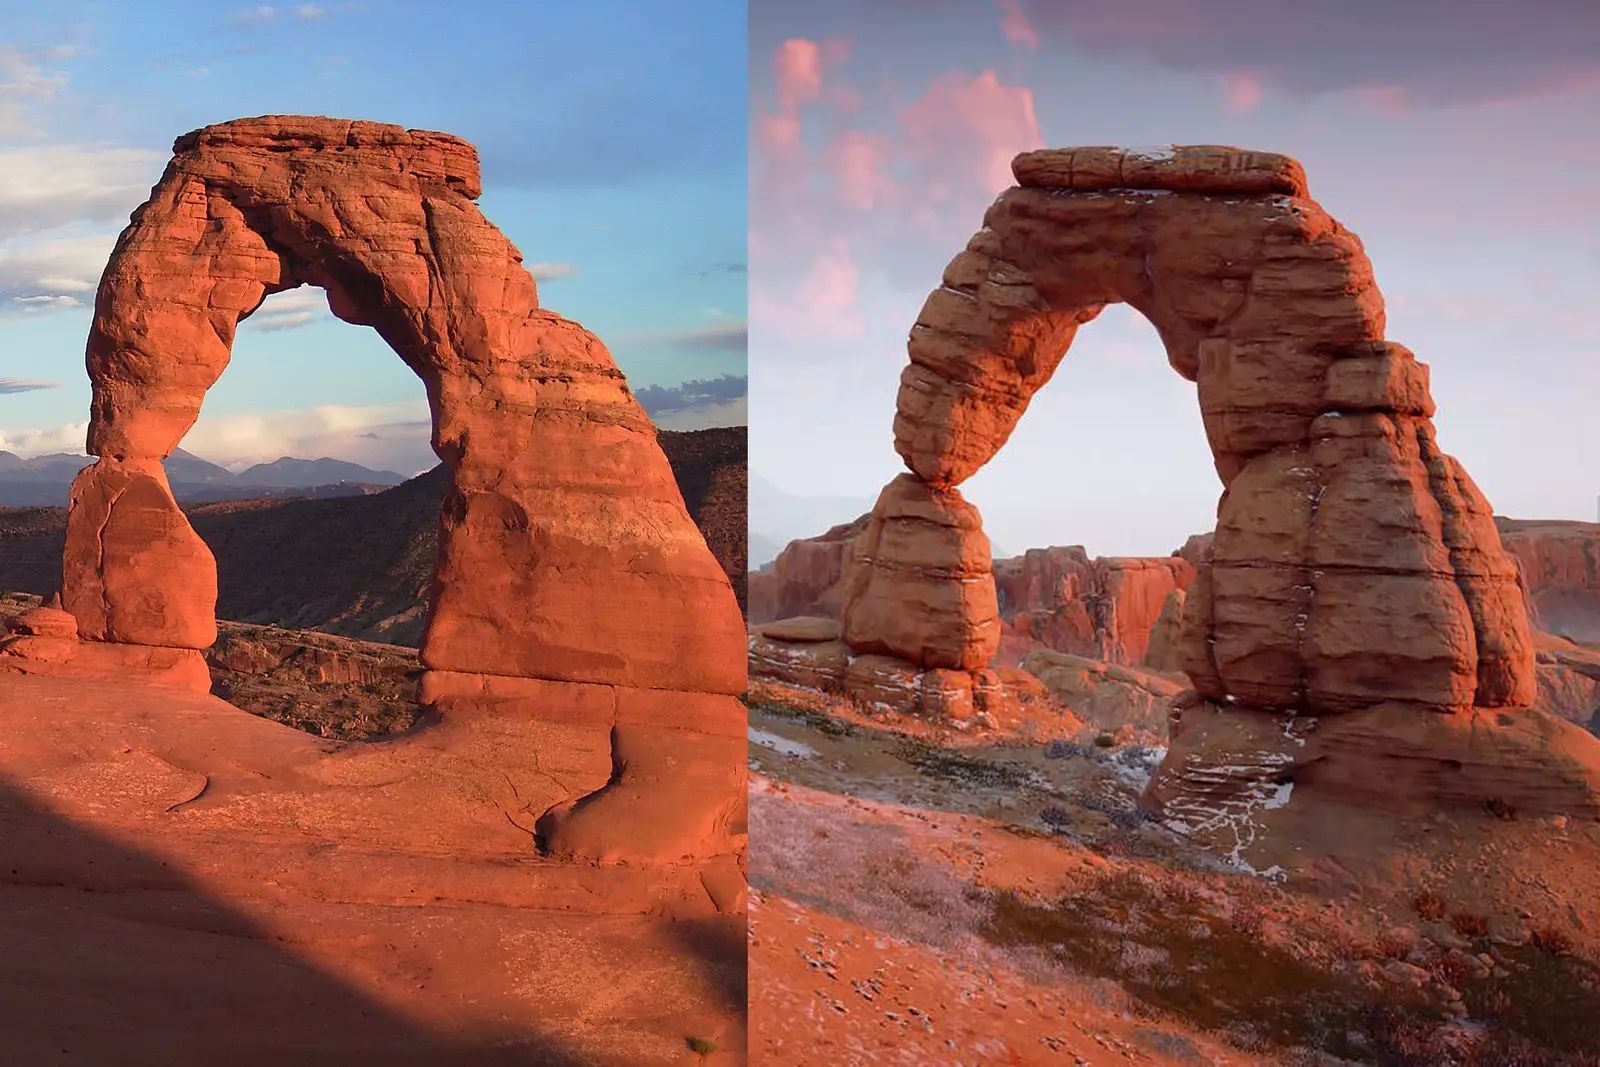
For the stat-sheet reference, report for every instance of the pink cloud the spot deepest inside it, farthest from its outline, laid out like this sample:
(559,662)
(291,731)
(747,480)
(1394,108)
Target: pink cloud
(965,130)
(1390,100)
(798,67)
(830,184)
(1015,25)
(1244,92)
(825,305)
(858,164)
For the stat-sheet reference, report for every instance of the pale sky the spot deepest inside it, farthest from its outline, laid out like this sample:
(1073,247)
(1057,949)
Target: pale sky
(612,137)
(1459,138)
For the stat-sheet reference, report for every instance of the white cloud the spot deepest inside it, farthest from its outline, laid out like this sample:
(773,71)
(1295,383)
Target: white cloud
(721,336)
(310,11)
(381,436)
(42,274)
(46,186)
(546,272)
(730,413)
(254,16)
(23,80)
(29,443)
(289,310)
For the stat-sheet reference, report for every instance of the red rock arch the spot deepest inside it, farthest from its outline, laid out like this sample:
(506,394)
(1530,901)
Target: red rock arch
(1353,564)
(566,552)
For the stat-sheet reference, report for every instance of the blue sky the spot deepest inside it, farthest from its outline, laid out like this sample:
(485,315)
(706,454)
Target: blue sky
(1456,137)
(613,142)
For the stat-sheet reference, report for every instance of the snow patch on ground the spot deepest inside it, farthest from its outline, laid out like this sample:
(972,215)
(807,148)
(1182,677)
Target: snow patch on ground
(1221,799)
(781,745)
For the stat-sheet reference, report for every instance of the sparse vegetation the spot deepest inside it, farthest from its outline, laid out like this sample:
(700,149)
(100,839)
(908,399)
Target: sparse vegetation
(1429,905)
(703,1047)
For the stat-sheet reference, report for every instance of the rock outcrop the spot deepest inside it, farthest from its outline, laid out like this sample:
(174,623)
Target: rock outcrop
(1560,566)
(919,585)
(1108,696)
(807,577)
(566,554)
(1102,608)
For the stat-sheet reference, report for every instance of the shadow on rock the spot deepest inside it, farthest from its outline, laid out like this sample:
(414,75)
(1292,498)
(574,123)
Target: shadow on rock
(112,958)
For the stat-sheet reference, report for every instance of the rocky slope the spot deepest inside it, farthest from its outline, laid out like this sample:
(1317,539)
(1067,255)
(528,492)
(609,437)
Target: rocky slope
(360,566)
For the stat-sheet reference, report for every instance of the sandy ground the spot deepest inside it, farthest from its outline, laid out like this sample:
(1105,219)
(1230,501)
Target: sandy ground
(933,897)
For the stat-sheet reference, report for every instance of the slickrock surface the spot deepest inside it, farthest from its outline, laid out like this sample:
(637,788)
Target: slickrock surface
(188,884)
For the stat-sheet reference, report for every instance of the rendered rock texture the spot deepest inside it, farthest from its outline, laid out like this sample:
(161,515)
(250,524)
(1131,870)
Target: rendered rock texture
(566,550)
(807,577)
(1353,562)
(1103,608)
(919,585)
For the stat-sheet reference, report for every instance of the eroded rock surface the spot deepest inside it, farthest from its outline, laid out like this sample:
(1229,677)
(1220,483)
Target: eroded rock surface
(1560,566)
(1102,608)
(807,577)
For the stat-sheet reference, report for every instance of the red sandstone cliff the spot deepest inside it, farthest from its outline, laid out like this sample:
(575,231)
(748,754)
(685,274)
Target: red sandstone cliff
(1560,565)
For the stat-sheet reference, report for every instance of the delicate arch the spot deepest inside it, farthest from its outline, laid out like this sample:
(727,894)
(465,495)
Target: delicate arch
(1353,562)
(566,552)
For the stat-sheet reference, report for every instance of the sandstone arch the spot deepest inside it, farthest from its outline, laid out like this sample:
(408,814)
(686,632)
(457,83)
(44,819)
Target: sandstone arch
(567,556)
(1354,564)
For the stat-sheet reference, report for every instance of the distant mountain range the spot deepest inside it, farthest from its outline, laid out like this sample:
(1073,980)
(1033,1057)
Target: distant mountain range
(362,567)
(46,481)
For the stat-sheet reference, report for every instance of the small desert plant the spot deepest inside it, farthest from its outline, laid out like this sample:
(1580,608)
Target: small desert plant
(1429,905)
(703,1047)
(1500,808)
(1468,924)
(1553,939)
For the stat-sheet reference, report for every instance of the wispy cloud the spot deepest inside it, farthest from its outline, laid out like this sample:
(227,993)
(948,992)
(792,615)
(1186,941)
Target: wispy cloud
(730,336)
(46,186)
(23,385)
(740,267)
(549,272)
(42,275)
(251,17)
(25,81)
(289,311)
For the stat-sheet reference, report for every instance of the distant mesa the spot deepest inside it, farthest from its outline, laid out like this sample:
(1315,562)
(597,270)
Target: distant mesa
(1355,610)
(570,582)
